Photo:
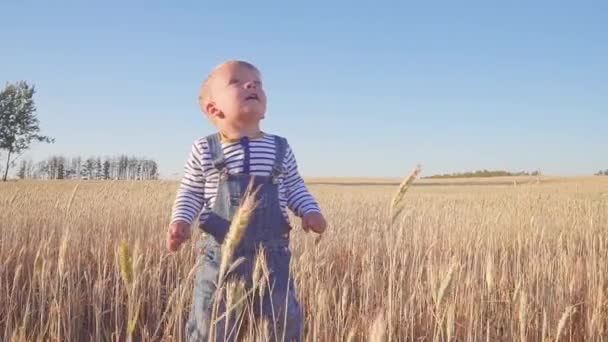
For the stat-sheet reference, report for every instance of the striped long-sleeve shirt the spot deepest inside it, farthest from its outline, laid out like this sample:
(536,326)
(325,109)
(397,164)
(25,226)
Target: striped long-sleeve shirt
(197,191)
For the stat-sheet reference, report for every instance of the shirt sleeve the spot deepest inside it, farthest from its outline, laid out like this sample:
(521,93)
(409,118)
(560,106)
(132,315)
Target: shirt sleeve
(299,200)
(190,194)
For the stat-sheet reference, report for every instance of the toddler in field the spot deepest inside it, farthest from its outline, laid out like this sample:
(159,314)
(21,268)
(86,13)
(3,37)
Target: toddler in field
(218,172)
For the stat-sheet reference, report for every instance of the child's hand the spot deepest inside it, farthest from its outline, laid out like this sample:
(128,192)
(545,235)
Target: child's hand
(179,232)
(314,221)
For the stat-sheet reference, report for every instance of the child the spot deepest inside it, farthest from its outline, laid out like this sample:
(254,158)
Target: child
(217,173)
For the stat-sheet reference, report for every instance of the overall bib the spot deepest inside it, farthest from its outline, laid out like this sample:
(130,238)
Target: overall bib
(267,228)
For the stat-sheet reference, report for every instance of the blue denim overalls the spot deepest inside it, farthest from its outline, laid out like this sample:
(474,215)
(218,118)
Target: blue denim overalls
(268,228)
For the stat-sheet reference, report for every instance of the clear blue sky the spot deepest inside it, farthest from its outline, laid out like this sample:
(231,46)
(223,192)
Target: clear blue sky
(359,90)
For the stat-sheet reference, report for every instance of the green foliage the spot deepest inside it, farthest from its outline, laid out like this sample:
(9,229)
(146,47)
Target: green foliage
(19,125)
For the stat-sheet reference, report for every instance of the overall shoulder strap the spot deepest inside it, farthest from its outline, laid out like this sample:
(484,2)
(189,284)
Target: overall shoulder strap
(280,151)
(217,154)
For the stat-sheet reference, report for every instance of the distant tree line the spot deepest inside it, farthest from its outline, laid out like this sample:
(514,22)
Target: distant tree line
(19,129)
(92,168)
(602,173)
(486,173)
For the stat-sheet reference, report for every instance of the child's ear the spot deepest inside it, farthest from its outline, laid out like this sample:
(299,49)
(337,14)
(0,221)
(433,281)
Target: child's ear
(213,111)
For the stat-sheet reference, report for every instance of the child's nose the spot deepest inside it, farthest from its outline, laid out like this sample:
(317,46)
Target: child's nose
(250,85)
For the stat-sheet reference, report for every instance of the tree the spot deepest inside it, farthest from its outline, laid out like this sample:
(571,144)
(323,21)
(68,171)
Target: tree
(153,170)
(132,168)
(77,167)
(42,170)
(91,168)
(98,169)
(106,169)
(29,169)
(88,168)
(53,163)
(19,125)
(22,170)
(60,168)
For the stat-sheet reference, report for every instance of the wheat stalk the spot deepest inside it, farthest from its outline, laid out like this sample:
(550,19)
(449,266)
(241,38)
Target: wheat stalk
(544,327)
(260,272)
(125,263)
(351,335)
(377,332)
(450,321)
(235,295)
(71,198)
(523,316)
(489,272)
(397,202)
(562,321)
(396,208)
(444,287)
(237,229)
(63,249)
(132,320)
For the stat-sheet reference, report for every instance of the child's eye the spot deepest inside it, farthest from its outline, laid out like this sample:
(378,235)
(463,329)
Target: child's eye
(233,81)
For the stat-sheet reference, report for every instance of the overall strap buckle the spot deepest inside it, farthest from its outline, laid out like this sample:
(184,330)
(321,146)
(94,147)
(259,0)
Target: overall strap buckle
(276,174)
(220,165)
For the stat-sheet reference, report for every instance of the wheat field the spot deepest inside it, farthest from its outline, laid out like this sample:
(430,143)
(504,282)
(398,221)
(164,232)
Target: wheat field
(523,260)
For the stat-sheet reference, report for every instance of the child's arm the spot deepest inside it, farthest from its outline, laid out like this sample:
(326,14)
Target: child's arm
(188,201)
(299,200)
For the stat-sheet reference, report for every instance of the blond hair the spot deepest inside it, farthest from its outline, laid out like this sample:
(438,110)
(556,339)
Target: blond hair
(205,95)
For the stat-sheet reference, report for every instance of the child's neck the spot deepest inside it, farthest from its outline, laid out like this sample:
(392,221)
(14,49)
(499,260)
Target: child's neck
(232,132)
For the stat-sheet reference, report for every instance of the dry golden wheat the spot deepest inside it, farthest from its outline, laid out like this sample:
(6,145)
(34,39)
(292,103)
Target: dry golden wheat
(529,262)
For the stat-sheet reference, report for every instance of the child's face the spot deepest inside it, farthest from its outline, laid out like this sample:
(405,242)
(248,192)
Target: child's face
(237,95)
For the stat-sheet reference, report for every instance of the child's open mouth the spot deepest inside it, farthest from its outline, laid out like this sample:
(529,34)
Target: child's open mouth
(252,97)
